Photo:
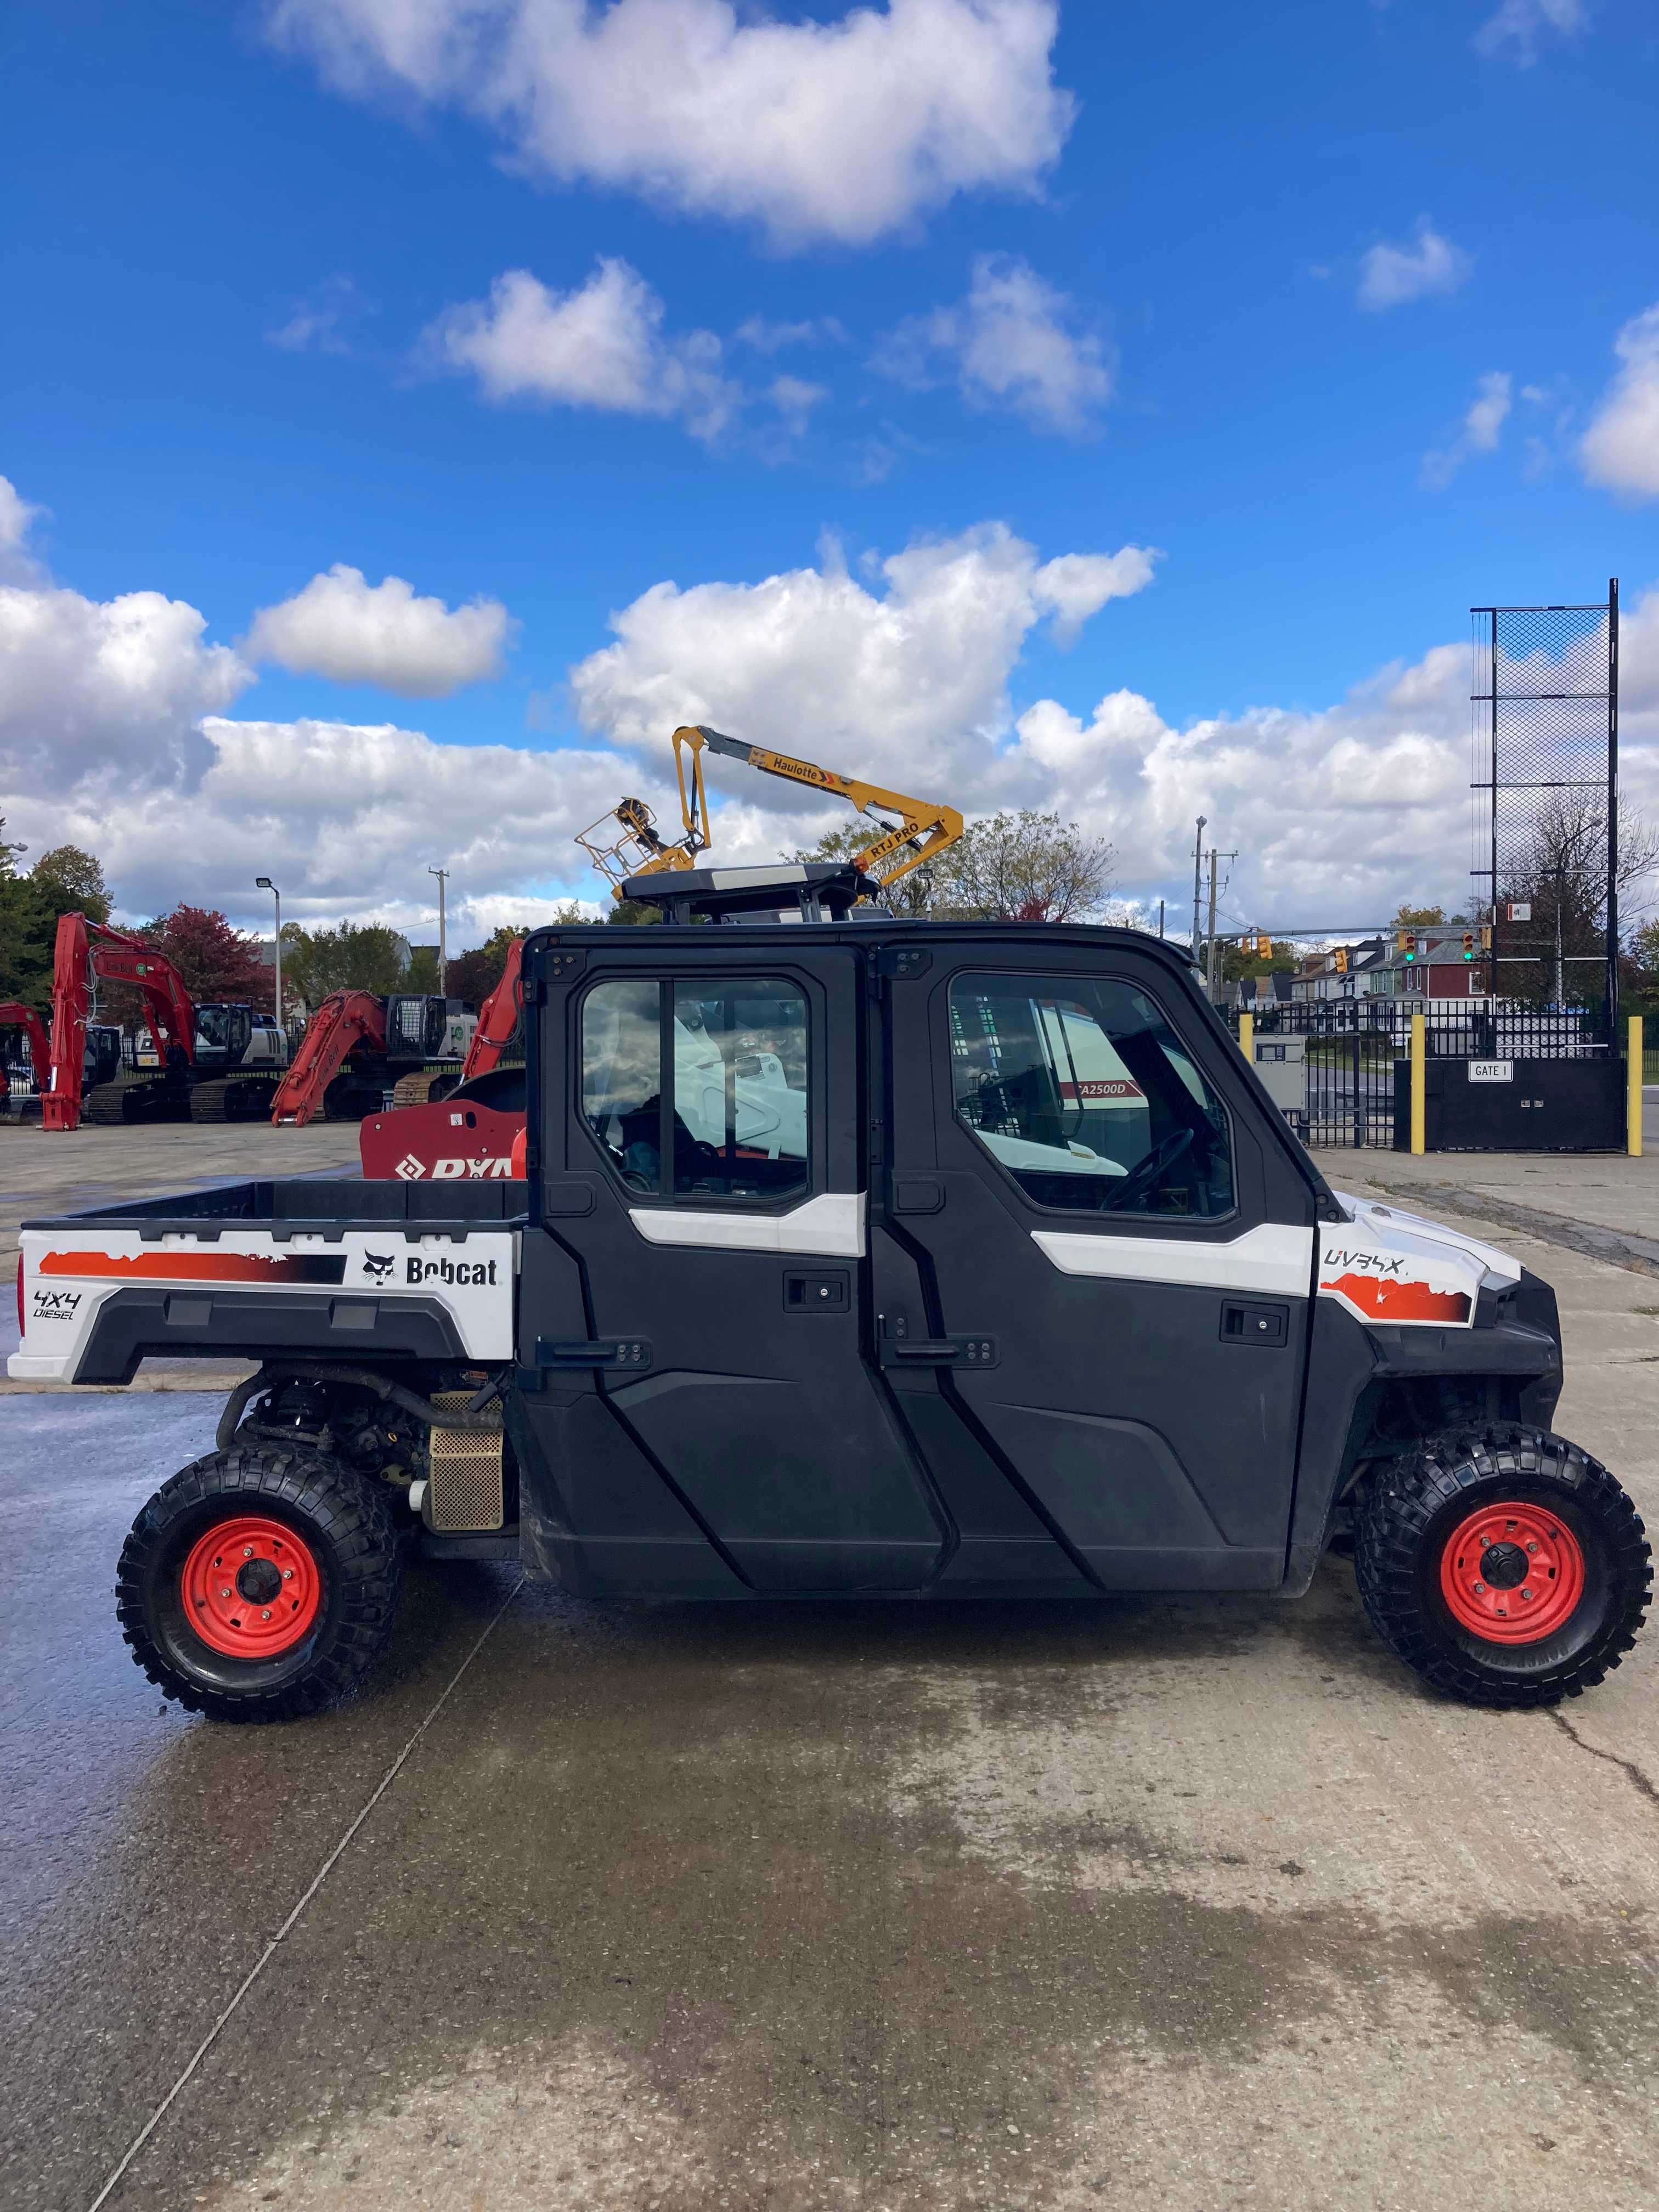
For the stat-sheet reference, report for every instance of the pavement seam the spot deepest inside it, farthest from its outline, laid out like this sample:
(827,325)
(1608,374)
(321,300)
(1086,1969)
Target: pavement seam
(1637,1255)
(1626,1767)
(315,1884)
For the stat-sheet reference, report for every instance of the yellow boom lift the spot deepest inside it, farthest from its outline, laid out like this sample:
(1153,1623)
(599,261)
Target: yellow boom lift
(923,830)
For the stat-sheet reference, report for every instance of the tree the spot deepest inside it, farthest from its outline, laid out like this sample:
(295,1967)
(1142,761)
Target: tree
(1236,963)
(356,957)
(1026,866)
(1417,917)
(473,976)
(1560,871)
(422,973)
(74,881)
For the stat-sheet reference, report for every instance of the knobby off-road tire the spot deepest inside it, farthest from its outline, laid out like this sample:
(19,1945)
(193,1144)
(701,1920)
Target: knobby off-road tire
(259,1584)
(1504,1564)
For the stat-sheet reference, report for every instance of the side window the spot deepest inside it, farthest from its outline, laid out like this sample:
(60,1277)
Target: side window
(697,1089)
(1080,1089)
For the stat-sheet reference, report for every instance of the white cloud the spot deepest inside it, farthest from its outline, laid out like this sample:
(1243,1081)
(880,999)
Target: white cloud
(108,691)
(112,734)
(601,345)
(1011,346)
(314,324)
(17,518)
(1480,431)
(1620,449)
(901,681)
(774,338)
(843,130)
(1518,23)
(794,399)
(1391,275)
(342,627)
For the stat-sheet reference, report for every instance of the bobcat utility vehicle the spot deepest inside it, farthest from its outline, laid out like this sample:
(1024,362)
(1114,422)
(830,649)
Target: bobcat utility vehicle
(856,1256)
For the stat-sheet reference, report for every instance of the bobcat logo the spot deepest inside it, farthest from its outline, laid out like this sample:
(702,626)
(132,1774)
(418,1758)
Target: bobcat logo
(378,1266)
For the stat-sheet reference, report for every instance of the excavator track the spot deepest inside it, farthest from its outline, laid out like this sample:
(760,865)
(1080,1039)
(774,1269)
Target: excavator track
(105,1104)
(232,1099)
(423,1085)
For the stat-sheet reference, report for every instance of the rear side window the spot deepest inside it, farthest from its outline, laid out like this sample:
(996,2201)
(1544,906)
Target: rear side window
(696,1088)
(1079,1088)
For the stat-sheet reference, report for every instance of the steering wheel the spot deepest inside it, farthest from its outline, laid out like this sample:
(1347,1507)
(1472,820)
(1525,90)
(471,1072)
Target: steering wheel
(1149,1174)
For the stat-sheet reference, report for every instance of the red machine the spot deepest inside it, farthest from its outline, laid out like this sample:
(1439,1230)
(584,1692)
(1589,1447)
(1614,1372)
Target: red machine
(345,1020)
(359,1046)
(465,1133)
(14,1016)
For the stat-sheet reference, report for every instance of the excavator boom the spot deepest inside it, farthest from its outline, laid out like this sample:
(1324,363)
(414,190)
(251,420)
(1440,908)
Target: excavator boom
(15,1017)
(498,1018)
(344,1021)
(83,950)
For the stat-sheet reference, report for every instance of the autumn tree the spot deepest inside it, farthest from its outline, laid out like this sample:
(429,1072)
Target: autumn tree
(472,975)
(355,956)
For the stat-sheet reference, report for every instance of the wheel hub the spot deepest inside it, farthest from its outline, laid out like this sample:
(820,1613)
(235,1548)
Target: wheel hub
(250,1587)
(1511,1573)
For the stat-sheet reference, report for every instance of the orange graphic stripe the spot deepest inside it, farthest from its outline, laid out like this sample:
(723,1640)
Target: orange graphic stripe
(198,1267)
(1390,1301)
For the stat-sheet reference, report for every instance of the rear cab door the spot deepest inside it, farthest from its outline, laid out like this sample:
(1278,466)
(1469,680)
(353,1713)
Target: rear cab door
(1095,1266)
(694,1301)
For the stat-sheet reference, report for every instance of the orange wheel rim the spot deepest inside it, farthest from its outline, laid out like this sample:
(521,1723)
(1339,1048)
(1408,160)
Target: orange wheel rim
(1511,1573)
(250,1587)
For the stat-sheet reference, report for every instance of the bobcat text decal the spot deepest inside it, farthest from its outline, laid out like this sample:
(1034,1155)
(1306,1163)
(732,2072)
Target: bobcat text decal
(449,1271)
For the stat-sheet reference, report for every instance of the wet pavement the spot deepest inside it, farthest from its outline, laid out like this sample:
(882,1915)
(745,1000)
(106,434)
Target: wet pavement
(1192,1902)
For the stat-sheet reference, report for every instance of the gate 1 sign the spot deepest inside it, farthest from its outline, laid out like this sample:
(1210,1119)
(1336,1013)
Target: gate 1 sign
(1492,1071)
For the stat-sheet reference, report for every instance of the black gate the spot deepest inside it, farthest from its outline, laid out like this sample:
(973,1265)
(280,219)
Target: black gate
(1354,1084)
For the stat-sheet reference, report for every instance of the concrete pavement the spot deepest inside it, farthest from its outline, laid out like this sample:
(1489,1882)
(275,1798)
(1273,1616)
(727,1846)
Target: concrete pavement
(1194,1903)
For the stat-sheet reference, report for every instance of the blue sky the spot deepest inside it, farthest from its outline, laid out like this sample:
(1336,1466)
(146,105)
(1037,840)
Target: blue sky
(1259,267)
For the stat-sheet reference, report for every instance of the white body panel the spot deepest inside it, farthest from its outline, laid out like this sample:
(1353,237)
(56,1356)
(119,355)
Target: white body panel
(1396,1267)
(1271,1260)
(832,1223)
(70,1274)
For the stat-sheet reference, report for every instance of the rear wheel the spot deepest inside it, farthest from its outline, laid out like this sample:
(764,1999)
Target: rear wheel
(1506,1566)
(259,1584)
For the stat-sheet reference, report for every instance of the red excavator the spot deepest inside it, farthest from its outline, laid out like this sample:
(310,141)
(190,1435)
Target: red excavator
(465,1131)
(212,1063)
(359,1046)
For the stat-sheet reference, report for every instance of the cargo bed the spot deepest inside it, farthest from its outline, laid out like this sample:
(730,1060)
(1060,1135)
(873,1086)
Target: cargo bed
(338,1269)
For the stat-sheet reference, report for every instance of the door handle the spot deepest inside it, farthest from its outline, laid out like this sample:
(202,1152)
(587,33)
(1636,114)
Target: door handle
(1254,1324)
(937,1351)
(603,1351)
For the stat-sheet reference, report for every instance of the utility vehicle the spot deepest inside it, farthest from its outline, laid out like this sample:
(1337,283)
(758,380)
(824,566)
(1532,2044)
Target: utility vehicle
(856,1256)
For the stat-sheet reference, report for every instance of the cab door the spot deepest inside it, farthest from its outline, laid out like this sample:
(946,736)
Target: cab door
(698,1308)
(1104,1261)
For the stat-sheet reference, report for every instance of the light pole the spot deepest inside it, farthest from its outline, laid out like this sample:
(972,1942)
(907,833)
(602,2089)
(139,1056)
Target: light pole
(442,874)
(264,884)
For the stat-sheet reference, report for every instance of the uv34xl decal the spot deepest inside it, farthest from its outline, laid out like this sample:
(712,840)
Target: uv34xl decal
(1398,1270)
(196,1266)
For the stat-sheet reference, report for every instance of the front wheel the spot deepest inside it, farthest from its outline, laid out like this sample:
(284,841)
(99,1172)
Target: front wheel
(259,1584)
(1506,1566)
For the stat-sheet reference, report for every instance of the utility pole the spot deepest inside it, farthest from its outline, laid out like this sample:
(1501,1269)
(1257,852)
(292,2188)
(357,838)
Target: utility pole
(1198,863)
(442,874)
(1160,917)
(1212,968)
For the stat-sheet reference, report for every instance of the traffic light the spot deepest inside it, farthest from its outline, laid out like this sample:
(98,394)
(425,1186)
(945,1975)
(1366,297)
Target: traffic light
(1485,937)
(1409,947)
(1342,959)
(1468,944)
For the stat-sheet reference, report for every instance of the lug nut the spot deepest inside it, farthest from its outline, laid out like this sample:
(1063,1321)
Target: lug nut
(1480,1590)
(224,1593)
(1526,1593)
(1532,1547)
(247,1551)
(266,1615)
(287,1574)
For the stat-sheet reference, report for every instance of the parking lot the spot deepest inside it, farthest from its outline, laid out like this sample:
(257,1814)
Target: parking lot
(1191,1902)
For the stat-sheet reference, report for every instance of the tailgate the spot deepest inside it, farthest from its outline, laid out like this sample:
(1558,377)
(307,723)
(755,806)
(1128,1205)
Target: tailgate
(96,1299)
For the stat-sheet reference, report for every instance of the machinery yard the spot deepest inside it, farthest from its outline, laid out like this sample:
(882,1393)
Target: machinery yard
(994,1904)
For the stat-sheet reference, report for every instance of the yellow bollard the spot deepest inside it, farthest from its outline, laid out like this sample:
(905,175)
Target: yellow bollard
(1633,1090)
(1247,1036)
(1419,1073)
